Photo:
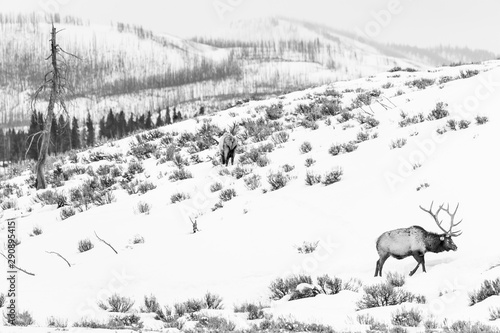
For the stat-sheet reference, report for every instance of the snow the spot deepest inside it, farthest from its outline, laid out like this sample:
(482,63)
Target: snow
(242,247)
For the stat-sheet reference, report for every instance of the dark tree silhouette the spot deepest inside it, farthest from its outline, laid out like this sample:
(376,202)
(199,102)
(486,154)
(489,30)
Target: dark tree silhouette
(75,134)
(90,131)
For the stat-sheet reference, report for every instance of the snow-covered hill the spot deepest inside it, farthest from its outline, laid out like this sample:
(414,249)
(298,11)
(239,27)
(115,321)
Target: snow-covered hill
(248,241)
(129,68)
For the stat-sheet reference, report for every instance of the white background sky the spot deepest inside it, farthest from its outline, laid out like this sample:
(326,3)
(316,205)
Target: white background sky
(472,23)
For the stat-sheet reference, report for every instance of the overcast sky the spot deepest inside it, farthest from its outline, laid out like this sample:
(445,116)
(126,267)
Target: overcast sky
(472,23)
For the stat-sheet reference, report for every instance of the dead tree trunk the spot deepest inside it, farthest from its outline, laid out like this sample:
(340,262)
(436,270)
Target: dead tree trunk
(55,81)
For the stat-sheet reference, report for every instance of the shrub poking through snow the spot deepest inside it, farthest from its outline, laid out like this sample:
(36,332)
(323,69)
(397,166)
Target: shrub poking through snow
(407,120)
(384,294)
(227,194)
(180,174)
(420,83)
(338,149)
(135,167)
(494,314)
(408,318)
(215,187)
(439,112)
(281,287)
(36,231)
(116,303)
(488,288)
(254,311)
(398,143)
(463,124)
(363,136)
(333,176)
(309,162)
(146,186)
(452,124)
(178,197)
(280,137)
(143,207)
(252,182)
(463,326)
(151,305)
(274,111)
(214,324)
(305,147)
(57,322)
(368,121)
(423,186)
(287,167)
(263,161)
(289,325)
(85,245)
(481,120)
(23,319)
(307,247)
(138,239)
(312,178)
(277,180)
(395,279)
(142,150)
(240,172)
(67,212)
(332,286)
(345,116)
(213,301)
(468,73)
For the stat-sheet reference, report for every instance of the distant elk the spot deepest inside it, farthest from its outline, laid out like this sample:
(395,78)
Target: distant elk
(416,241)
(227,147)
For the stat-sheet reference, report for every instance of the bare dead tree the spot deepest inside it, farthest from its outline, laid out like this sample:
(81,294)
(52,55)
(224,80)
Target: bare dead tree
(55,81)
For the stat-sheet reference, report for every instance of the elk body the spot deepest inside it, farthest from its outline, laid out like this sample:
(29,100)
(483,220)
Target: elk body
(416,241)
(227,148)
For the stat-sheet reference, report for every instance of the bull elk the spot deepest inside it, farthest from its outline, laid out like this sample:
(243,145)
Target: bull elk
(416,241)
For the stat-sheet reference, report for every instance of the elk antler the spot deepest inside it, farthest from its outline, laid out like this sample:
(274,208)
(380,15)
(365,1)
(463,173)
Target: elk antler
(452,216)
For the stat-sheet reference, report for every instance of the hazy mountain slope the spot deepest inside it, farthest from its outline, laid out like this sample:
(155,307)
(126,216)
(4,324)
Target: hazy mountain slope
(130,68)
(250,240)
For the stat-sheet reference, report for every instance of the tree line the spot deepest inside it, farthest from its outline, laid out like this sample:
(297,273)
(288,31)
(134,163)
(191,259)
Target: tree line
(67,134)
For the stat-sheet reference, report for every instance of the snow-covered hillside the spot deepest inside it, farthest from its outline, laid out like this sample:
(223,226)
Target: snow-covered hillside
(248,241)
(129,68)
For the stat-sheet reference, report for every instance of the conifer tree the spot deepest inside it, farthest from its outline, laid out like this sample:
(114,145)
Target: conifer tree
(148,123)
(102,129)
(131,124)
(110,125)
(89,124)
(121,125)
(168,120)
(159,120)
(75,134)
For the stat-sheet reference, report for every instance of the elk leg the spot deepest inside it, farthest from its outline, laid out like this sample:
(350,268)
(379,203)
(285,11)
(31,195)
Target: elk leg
(232,156)
(420,260)
(380,264)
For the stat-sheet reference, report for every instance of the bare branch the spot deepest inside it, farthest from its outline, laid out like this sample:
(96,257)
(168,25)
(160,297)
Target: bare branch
(102,240)
(16,267)
(60,256)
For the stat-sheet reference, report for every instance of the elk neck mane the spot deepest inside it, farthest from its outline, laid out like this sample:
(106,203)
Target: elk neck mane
(433,242)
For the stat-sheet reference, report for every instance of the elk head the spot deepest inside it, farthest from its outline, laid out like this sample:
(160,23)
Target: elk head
(445,238)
